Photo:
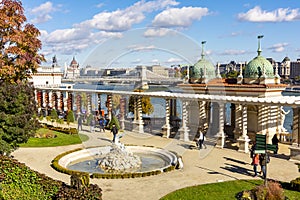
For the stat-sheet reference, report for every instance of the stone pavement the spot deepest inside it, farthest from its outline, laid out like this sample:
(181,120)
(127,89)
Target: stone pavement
(203,166)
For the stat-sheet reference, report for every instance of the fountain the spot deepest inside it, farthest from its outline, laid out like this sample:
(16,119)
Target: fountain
(117,159)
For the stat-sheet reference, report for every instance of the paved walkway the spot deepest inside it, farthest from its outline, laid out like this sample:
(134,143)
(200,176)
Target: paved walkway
(203,166)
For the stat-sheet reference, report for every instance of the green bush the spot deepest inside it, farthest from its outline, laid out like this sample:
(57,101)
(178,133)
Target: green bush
(271,191)
(295,184)
(70,117)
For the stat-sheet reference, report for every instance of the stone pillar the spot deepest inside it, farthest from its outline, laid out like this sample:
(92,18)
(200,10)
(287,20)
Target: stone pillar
(89,104)
(214,119)
(122,112)
(238,121)
(166,129)
(109,106)
(50,102)
(295,147)
(99,104)
(140,115)
(68,105)
(244,140)
(184,130)
(202,115)
(220,134)
(46,102)
(138,125)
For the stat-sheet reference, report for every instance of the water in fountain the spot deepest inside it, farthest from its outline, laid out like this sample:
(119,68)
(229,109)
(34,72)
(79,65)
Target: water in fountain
(119,158)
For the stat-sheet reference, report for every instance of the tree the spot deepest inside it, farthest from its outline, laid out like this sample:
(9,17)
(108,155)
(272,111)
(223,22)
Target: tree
(147,107)
(17,111)
(70,117)
(19,58)
(19,43)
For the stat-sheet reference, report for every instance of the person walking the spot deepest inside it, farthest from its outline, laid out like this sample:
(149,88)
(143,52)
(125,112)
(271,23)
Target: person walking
(275,142)
(101,123)
(80,120)
(263,160)
(255,162)
(114,130)
(92,125)
(201,139)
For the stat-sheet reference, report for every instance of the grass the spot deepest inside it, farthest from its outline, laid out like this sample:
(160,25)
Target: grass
(62,139)
(224,190)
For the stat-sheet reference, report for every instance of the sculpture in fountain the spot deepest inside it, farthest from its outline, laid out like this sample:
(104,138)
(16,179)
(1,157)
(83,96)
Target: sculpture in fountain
(119,158)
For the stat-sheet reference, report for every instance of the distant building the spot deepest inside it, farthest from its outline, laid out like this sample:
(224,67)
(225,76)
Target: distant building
(72,71)
(295,69)
(50,76)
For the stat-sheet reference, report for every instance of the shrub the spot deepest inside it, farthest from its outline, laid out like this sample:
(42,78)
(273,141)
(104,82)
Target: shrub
(271,191)
(295,184)
(70,117)
(91,192)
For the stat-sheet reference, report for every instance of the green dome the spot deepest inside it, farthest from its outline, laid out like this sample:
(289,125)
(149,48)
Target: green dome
(259,66)
(202,68)
(286,59)
(256,67)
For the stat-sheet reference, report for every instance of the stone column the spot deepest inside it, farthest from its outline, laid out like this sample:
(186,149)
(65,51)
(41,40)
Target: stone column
(89,104)
(138,125)
(166,129)
(220,134)
(244,140)
(109,106)
(184,130)
(99,104)
(238,121)
(140,115)
(122,112)
(295,147)
(46,102)
(202,115)
(68,105)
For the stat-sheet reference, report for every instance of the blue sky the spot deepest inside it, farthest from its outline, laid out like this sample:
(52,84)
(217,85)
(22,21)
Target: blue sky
(167,32)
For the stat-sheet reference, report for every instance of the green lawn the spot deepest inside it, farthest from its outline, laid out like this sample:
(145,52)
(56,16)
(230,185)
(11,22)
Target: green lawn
(224,190)
(62,139)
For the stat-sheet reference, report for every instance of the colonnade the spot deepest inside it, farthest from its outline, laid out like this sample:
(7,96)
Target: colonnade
(246,121)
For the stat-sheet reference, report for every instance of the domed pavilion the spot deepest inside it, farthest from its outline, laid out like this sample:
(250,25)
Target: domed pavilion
(259,81)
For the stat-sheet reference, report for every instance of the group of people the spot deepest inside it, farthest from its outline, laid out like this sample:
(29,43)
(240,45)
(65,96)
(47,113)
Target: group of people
(94,120)
(259,159)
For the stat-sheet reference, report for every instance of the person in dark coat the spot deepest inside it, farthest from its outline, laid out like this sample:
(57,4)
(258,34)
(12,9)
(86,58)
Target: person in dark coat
(80,120)
(275,142)
(114,130)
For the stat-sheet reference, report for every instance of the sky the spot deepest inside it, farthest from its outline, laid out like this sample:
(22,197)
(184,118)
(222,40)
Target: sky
(111,33)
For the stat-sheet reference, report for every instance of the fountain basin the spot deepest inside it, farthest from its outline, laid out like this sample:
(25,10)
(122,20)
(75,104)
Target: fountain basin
(154,161)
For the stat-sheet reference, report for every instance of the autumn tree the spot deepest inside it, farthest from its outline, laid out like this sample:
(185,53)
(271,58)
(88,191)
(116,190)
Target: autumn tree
(19,58)
(147,107)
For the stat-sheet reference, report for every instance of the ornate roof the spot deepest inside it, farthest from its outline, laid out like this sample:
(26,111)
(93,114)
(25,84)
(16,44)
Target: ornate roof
(259,66)
(202,68)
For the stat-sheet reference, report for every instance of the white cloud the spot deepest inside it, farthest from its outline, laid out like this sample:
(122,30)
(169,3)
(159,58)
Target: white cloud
(157,32)
(179,17)
(100,5)
(256,14)
(42,12)
(64,35)
(174,60)
(155,61)
(136,61)
(140,47)
(121,20)
(234,52)
(280,47)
